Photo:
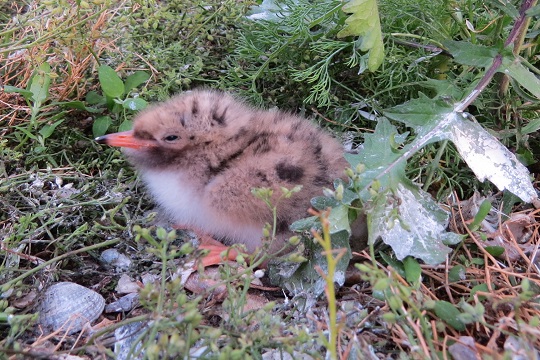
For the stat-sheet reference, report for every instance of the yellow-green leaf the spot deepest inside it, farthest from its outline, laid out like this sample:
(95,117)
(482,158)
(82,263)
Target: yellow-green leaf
(365,22)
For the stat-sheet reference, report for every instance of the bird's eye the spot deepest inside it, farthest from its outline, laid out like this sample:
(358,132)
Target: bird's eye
(171,137)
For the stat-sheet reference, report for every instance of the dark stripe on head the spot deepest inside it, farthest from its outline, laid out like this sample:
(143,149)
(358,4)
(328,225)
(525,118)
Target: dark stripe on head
(195,107)
(278,116)
(219,119)
(142,134)
(181,118)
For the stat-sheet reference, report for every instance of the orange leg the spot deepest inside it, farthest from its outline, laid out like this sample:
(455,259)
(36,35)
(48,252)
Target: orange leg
(218,253)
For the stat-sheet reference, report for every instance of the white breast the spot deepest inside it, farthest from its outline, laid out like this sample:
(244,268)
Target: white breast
(183,203)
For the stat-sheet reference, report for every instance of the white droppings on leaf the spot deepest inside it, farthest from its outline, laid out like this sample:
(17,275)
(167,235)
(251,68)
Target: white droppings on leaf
(489,159)
(415,226)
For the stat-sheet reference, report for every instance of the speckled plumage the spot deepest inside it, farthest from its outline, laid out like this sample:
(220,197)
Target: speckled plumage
(201,153)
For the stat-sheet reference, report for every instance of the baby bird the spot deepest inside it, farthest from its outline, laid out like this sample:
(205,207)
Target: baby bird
(201,153)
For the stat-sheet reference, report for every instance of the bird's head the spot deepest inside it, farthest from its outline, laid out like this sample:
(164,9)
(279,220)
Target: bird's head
(192,120)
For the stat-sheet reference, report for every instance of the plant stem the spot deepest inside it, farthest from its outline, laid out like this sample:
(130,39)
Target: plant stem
(330,291)
(56,259)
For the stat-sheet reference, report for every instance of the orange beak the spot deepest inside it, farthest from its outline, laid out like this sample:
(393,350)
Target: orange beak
(125,139)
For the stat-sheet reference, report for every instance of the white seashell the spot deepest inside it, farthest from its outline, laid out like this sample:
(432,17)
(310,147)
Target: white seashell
(69,307)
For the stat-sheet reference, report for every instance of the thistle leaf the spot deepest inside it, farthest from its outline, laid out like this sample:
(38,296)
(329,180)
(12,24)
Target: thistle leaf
(365,22)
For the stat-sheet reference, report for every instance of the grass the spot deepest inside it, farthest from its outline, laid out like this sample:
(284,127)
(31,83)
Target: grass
(64,199)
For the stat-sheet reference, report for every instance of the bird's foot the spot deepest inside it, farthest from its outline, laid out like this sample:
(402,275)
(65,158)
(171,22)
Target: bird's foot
(217,254)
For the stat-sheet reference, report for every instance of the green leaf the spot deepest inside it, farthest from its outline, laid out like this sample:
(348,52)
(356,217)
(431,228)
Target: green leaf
(518,72)
(480,287)
(306,224)
(93,98)
(339,219)
(39,84)
(27,94)
(488,158)
(466,53)
(47,130)
(110,82)
(101,125)
(495,250)
(421,112)
(323,202)
(134,104)
(401,214)
(365,22)
(435,120)
(483,211)
(26,132)
(134,80)
(413,271)
(395,264)
(78,105)
(532,126)
(534,11)
(449,314)
(457,273)
(414,225)
(125,125)
(506,7)
(303,278)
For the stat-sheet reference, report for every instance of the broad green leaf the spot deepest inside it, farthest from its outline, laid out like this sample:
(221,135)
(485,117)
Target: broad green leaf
(27,94)
(494,250)
(323,202)
(47,130)
(39,84)
(413,271)
(444,89)
(489,159)
(420,113)
(101,125)
(457,273)
(134,80)
(365,22)
(93,98)
(410,221)
(482,288)
(434,120)
(518,72)
(110,82)
(401,214)
(466,53)
(80,105)
(339,220)
(306,224)
(268,10)
(125,125)
(378,153)
(134,104)
(448,313)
